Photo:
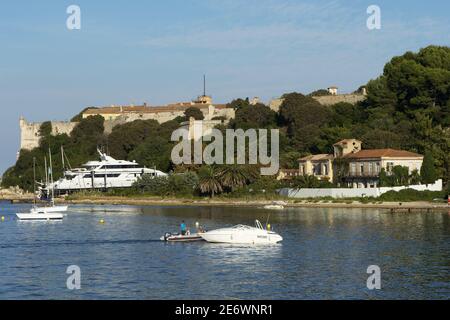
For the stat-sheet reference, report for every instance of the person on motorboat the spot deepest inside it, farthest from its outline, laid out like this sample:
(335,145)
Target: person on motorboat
(183,228)
(199,228)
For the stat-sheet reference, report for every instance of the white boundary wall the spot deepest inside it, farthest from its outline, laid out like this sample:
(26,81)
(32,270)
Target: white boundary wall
(355,192)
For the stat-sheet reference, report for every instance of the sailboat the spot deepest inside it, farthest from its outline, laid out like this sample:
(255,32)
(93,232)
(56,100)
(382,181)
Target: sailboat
(51,212)
(53,207)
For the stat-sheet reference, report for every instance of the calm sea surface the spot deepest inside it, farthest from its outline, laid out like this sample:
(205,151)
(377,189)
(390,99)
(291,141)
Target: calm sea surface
(324,255)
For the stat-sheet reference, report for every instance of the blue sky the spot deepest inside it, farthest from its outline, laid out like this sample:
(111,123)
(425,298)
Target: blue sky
(157,51)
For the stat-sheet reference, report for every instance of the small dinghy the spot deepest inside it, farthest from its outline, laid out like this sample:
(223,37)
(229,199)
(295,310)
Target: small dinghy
(273,207)
(276,205)
(169,237)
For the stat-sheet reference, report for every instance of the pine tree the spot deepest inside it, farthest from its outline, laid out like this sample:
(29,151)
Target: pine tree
(428,171)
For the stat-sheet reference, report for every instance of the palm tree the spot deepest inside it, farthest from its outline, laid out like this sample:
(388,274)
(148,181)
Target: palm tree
(236,176)
(415,177)
(209,181)
(306,181)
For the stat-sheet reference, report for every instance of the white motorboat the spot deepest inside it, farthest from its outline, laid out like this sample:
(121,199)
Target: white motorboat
(242,234)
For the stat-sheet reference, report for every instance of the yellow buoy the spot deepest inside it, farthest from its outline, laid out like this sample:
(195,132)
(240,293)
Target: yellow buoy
(3,218)
(102,221)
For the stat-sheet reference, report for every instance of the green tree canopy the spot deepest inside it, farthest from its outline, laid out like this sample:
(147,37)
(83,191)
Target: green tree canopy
(305,118)
(126,137)
(320,93)
(88,129)
(239,103)
(153,152)
(45,129)
(194,112)
(254,117)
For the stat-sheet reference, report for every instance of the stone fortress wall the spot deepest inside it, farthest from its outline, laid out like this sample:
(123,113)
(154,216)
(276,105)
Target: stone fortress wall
(333,99)
(209,113)
(353,98)
(29,132)
(328,100)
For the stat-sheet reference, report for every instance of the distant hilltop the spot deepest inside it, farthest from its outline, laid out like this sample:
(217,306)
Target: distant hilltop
(115,115)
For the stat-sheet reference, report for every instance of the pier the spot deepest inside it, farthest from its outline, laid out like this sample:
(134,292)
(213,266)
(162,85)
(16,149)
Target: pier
(428,209)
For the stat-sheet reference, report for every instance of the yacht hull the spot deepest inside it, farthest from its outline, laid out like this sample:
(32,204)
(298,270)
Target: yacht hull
(217,236)
(39,216)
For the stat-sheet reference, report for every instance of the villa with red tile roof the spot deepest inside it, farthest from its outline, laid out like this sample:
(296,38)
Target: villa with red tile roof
(361,167)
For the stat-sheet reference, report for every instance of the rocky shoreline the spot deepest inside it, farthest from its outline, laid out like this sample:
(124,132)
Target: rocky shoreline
(15,194)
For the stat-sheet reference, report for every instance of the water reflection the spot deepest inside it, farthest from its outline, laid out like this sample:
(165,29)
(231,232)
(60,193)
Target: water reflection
(325,254)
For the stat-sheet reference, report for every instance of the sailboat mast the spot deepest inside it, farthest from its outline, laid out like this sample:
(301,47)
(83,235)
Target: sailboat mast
(62,158)
(46,171)
(51,174)
(34,181)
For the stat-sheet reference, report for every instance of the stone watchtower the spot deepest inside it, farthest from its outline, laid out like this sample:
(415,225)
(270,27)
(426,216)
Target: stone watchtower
(29,134)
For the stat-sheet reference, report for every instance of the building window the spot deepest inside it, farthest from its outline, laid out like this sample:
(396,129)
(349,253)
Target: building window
(353,168)
(325,169)
(361,168)
(389,166)
(316,169)
(377,167)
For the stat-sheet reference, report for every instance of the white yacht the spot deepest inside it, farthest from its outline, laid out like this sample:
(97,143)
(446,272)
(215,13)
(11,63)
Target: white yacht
(104,174)
(242,234)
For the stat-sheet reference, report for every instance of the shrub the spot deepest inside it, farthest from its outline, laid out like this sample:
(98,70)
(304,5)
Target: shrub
(411,195)
(176,184)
